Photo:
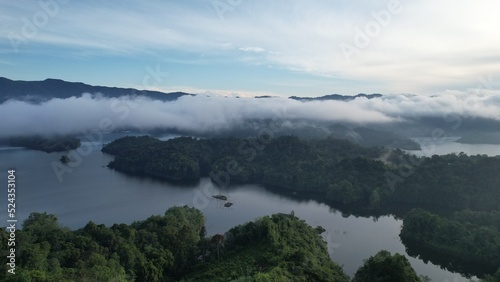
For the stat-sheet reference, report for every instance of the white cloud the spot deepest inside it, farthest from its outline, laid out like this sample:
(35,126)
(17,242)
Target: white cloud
(252,49)
(204,113)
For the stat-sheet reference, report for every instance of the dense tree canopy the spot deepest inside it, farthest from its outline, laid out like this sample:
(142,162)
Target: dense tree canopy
(471,242)
(280,247)
(171,247)
(384,267)
(492,278)
(156,249)
(52,144)
(337,170)
(455,181)
(343,172)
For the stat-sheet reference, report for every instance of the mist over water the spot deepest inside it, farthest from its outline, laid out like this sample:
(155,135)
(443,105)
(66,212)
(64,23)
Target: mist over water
(451,146)
(201,113)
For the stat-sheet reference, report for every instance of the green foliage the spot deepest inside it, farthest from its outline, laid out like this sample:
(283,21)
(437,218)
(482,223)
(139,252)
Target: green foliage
(384,267)
(484,218)
(338,170)
(155,249)
(344,192)
(465,240)
(276,248)
(452,181)
(171,247)
(492,278)
(53,144)
(285,162)
(346,173)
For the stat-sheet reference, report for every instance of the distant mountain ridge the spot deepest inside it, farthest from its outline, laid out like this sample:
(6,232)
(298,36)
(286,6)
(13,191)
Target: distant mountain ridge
(337,97)
(39,91)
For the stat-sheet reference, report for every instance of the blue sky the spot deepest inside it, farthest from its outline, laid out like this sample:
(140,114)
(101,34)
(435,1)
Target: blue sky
(250,47)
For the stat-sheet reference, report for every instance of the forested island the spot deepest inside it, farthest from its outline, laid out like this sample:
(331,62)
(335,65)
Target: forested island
(337,170)
(370,179)
(472,238)
(45,144)
(174,247)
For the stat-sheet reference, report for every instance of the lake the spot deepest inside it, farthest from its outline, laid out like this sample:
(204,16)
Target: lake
(90,191)
(447,145)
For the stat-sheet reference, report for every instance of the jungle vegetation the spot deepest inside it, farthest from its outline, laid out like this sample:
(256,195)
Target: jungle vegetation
(45,144)
(342,172)
(337,170)
(170,247)
(175,247)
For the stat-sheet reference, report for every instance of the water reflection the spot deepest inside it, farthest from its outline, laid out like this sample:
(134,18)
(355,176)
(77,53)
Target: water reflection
(466,267)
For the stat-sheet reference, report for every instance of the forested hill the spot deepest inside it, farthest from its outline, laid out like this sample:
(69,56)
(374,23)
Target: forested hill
(470,240)
(334,169)
(171,247)
(174,247)
(46,144)
(39,91)
(336,97)
(368,180)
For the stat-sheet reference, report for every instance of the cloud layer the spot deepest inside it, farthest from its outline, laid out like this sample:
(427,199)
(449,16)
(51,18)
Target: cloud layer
(207,114)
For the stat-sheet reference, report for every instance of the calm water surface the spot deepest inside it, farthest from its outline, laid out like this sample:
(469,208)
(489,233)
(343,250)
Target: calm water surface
(443,146)
(90,191)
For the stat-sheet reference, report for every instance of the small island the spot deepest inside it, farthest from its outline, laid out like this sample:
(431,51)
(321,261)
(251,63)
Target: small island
(45,144)
(64,159)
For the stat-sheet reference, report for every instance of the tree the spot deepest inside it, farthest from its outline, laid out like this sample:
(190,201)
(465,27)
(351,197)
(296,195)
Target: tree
(492,278)
(384,267)
(345,192)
